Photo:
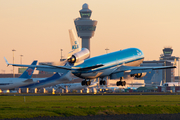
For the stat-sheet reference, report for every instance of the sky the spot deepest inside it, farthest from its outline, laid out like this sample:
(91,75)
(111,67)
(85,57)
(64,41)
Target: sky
(38,29)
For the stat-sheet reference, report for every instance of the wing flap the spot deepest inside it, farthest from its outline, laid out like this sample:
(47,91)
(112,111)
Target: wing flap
(134,70)
(140,71)
(126,68)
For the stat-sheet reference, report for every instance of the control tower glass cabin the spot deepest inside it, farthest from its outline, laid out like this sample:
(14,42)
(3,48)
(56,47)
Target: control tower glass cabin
(85,26)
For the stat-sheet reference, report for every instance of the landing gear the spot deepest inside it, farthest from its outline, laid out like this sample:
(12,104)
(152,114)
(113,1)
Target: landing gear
(102,82)
(122,83)
(85,82)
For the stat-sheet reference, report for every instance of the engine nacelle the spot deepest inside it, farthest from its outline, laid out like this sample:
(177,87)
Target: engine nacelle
(138,75)
(79,56)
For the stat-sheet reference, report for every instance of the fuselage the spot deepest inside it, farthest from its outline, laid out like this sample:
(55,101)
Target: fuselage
(57,78)
(11,83)
(110,62)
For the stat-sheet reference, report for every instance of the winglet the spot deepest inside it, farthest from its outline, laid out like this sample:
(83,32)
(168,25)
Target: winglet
(6,61)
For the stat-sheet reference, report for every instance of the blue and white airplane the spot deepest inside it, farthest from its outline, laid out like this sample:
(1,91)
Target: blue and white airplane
(57,78)
(115,65)
(24,79)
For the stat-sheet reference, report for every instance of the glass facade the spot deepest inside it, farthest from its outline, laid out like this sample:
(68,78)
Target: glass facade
(167,52)
(85,14)
(85,28)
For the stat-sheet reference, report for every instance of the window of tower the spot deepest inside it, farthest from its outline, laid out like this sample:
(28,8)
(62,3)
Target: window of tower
(86,14)
(85,28)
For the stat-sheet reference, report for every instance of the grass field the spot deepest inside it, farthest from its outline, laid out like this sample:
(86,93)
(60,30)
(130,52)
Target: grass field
(34,106)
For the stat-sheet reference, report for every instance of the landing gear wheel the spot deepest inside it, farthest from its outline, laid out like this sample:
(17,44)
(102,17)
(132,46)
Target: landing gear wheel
(119,83)
(88,83)
(102,82)
(83,82)
(123,83)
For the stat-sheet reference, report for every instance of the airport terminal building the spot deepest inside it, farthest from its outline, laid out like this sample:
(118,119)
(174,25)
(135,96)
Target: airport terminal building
(157,77)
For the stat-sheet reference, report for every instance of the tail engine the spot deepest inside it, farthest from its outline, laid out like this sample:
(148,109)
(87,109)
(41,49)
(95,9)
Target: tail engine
(79,56)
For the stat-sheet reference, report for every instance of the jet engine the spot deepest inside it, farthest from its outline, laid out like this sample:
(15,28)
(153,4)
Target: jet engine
(79,56)
(138,75)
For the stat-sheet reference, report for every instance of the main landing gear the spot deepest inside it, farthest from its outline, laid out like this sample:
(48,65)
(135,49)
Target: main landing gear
(102,82)
(85,82)
(122,83)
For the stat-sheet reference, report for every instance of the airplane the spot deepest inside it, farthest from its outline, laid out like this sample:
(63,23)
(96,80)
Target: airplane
(115,65)
(75,86)
(24,79)
(171,84)
(57,78)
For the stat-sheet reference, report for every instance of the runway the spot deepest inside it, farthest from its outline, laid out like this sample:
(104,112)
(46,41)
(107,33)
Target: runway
(87,94)
(110,117)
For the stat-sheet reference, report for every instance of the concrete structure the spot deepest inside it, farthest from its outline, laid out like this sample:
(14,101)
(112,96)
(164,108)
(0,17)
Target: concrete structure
(85,26)
(156,77)
(167,56)
(168,89)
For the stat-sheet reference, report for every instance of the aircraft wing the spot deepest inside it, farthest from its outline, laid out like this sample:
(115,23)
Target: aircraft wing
(52,68)
(135,70)
(49,68)
(123,71)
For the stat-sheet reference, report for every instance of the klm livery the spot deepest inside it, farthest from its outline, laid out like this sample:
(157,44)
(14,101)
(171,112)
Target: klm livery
(114,65)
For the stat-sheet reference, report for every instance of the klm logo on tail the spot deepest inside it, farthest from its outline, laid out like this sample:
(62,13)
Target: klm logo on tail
(76,46)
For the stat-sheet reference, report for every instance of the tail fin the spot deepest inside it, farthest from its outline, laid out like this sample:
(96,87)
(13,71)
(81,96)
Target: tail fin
(74,42)
(29,71)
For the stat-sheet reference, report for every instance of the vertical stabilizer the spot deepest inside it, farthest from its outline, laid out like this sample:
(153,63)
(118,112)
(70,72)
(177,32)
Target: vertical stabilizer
(74,42)
(29,71)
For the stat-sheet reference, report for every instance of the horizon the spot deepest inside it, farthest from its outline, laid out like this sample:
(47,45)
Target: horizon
(39,29)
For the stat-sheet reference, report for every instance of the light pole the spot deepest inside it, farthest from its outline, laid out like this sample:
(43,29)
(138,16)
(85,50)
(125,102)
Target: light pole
(61,54)
(106,50)
(178,70)
(13,62)
(21,58)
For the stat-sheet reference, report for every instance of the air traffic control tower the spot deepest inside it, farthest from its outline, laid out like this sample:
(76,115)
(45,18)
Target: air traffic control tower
(85,26)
